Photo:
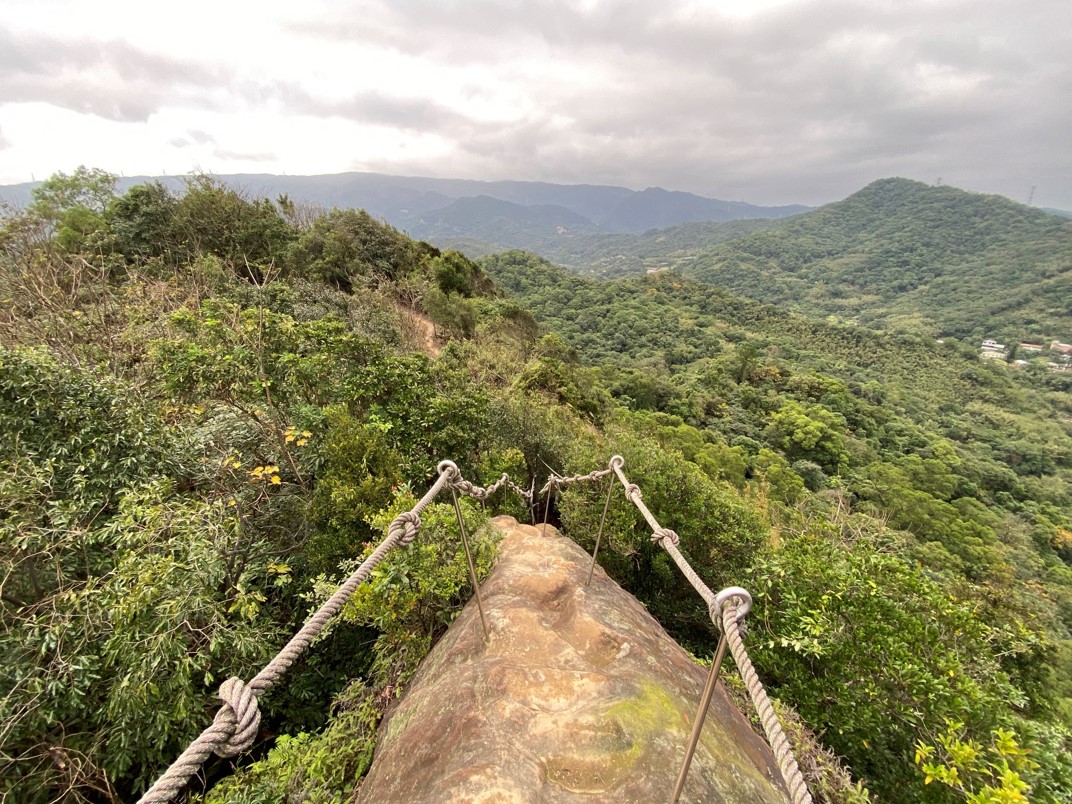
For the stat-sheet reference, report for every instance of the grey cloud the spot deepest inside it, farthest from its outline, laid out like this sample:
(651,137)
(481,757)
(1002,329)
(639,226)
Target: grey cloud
(109,79)
(200,137)
(259,156)
(193,137)
(410,114)
(805,102)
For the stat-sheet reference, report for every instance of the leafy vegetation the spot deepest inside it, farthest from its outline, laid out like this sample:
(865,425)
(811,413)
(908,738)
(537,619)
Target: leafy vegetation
(913,573)
(212,406)
(897,255)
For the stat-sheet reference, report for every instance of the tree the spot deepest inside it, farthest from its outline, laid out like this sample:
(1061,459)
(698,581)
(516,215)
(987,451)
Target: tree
(810,433)
(142,223)
(250,236)
(72,206)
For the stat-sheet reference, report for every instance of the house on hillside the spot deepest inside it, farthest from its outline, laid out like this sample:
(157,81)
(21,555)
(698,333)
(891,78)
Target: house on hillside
(1031,347)
(992,350)
(1061,348)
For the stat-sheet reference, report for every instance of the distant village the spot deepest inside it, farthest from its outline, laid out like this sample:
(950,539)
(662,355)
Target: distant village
(1058,355)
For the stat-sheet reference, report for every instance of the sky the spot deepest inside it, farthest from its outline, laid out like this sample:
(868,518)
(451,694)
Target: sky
(767,101)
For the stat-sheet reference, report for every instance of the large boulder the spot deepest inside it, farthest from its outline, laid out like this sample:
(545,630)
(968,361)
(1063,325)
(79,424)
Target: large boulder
(578,695)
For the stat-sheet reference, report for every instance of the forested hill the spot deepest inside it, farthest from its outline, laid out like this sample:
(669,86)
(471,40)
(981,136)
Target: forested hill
(212,406)
(953,453)
(896,255)
(901,254)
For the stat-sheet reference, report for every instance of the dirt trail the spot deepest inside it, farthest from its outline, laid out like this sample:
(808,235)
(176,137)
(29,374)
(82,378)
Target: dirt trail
(420,331)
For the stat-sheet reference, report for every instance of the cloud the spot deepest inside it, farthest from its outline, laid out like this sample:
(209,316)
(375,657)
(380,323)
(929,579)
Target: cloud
(779,101)
(193,137)
(797,99)
(240,156)
(112,79)
(4,142)
(373,107)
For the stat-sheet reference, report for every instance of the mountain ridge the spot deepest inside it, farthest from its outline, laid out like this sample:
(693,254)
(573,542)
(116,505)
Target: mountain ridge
(401,200)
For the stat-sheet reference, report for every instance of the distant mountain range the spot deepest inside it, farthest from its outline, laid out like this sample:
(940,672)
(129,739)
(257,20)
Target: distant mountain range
(505,213)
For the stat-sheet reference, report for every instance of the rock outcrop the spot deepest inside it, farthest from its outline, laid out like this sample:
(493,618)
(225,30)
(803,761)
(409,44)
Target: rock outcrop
(578,695)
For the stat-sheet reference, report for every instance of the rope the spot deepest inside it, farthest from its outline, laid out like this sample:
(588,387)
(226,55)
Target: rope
(557,482)
(236,723)
(787,763)
(463,486)
(730,621)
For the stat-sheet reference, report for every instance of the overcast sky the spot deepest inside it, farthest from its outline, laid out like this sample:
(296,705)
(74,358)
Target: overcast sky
(765,101)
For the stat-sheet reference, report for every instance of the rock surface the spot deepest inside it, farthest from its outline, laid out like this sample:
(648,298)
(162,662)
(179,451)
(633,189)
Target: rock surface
(579,695)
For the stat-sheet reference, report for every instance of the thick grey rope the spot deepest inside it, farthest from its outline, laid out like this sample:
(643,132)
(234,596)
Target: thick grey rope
(557,482)
(235,725)
(669,540)
(787,763)
(463,486)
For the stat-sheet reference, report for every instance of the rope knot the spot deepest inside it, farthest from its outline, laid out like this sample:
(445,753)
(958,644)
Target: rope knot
(241,713)
(632,491)
(665,533)
(405,526)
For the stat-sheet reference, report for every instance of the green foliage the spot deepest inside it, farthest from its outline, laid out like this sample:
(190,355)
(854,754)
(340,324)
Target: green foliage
(810,433)
(717,532)
(554,370)
(990,775)
(872,652)
(141,223)
(901,255)
(320,768)
(415,593)
(410,599)
(451,313)
(252,421)
(356,479)
(250,236)
(350,249)
(454,273)
(73,205)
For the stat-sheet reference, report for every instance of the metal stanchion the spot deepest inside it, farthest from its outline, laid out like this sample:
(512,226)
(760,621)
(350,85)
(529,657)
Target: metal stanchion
(469,559)
(602,522)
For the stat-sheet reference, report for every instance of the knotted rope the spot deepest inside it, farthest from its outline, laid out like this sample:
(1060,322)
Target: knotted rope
(234,728)
(463,486)
(557,481)
(665,533)
(731,625)
(729,620)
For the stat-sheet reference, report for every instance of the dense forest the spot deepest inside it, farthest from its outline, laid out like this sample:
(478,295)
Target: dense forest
(213,405)
(897,255)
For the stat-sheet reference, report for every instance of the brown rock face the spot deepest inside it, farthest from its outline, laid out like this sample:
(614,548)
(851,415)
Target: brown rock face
(578,695)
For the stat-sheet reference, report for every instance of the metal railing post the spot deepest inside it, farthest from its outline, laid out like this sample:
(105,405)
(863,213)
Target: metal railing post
(602,522)
(701,716)
(469,560)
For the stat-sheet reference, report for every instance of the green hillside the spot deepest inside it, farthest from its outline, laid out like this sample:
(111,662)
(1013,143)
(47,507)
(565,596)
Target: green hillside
(610,256)
(212,406)
(961,459)
(898,255)
(903,255)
